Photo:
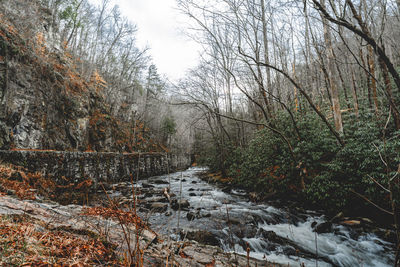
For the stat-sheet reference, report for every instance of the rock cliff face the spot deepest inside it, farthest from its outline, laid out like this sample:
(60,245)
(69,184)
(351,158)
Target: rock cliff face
(47,102)
(36,112)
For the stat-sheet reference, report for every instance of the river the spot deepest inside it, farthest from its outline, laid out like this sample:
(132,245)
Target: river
(271,232)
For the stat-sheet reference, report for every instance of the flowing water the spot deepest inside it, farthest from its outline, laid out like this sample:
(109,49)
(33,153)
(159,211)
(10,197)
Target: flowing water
(272,233)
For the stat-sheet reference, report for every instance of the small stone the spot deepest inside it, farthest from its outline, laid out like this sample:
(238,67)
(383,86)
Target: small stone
(168,213)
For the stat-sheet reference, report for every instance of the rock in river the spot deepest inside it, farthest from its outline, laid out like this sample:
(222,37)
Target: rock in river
(183,204)
(201,236)
(159,207)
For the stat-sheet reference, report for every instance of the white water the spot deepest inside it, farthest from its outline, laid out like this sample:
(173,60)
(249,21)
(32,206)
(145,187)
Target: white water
(333,249)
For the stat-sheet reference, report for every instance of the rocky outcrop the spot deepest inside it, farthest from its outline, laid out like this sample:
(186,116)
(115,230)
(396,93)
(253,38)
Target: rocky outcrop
(48,102)
(108,167)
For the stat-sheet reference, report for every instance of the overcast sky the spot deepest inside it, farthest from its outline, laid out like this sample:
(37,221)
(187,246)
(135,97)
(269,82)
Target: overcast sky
(160,27)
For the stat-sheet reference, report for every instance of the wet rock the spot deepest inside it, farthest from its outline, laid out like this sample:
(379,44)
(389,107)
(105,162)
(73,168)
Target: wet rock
(191,216)
(271,236)
(226,190)
(194,182)
(240,219)
(202,236)
(149,194)
(290,251)
(168,213)
(143,209)
(146,185)
(159,207)
(191,189)
(159,181)
(205,215)
(244,231)
(192,194)
(313,224)
(183,204)
(324,227)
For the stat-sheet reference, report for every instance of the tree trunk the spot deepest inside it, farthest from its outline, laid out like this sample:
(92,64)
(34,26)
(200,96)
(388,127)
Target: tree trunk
(371,69)
(331,70)
(365,67)
(354,92)
(388,89)
(266,53)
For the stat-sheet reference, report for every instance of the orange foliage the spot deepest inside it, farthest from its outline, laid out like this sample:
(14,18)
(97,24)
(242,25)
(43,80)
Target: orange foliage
(124,217)
(23,183)
(28,245)
(98,82)
(18,181)
(40,43)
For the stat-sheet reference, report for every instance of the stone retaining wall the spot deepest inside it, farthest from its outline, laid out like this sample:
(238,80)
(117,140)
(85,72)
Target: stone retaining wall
(66,167)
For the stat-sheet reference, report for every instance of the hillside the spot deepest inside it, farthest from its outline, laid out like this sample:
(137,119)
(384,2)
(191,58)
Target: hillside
(49,100)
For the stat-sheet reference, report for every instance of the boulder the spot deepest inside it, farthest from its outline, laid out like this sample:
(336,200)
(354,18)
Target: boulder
(324,227)
(202,236)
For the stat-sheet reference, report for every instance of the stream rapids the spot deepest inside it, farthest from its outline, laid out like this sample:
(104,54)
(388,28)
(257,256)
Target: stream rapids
(270,232)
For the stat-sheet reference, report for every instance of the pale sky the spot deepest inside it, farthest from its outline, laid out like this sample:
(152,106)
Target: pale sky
(160,27)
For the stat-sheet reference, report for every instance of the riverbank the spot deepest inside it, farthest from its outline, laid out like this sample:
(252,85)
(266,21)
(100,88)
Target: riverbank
(219,215)
(36,230)
(361,220)
(182,218)
(42,232)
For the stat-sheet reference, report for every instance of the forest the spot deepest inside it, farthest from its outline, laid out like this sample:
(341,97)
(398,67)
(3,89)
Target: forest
(296,101)
(300,98)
